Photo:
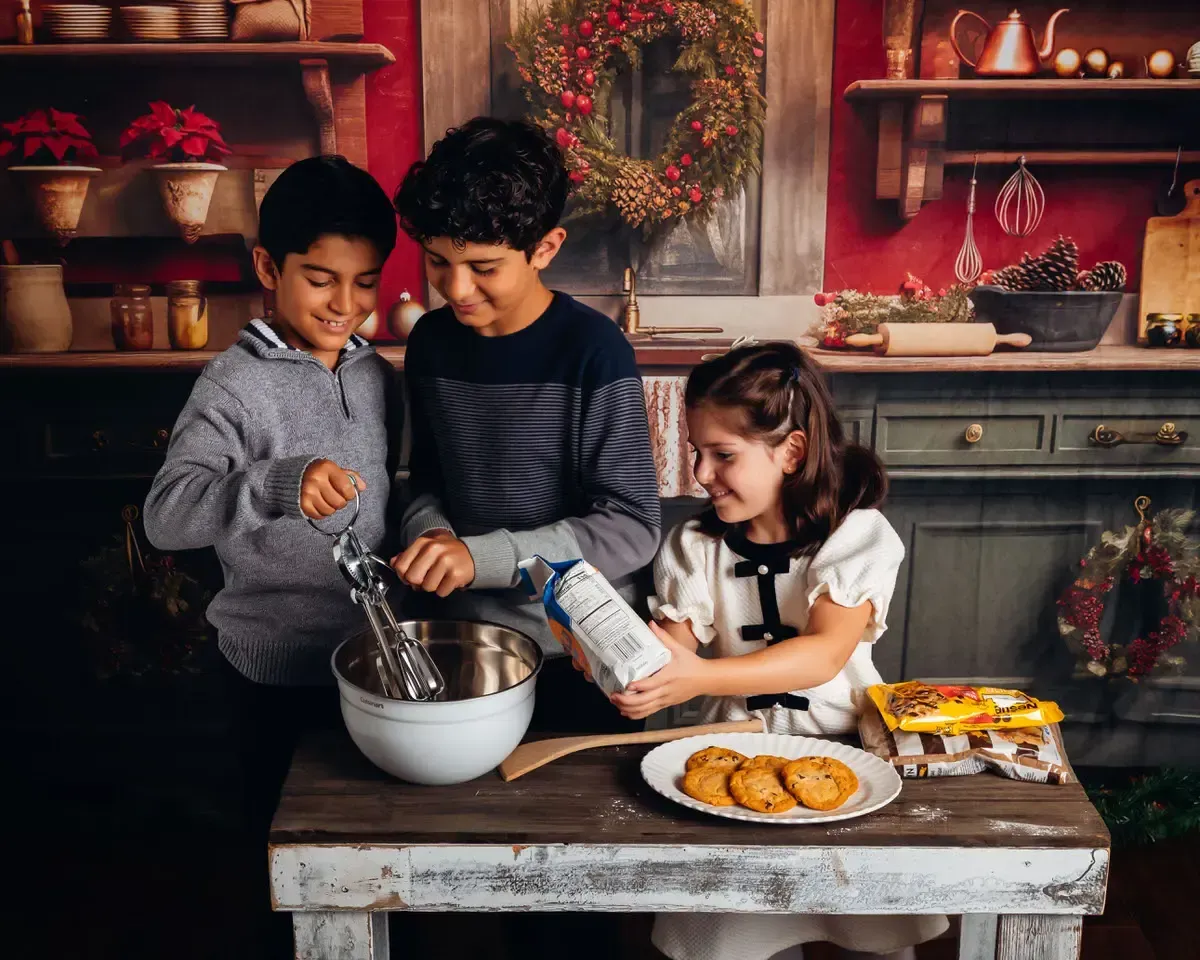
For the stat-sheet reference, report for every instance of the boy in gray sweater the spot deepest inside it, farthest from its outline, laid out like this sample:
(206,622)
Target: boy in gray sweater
(278,424)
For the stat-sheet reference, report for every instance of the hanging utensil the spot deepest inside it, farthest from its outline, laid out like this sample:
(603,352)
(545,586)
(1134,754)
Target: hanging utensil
(1021,202)
(969,264)
(406,670)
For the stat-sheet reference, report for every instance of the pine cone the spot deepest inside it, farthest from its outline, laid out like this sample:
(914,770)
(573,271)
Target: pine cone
(1015,277)
(634,190)
(1055,270)
(1109,275)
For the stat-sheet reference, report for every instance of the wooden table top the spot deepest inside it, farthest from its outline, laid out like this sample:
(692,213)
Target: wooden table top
(335,796)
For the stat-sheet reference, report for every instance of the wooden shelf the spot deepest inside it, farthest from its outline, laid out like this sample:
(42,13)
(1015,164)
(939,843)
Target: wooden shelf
(681,356)
(330,72)
(360,56)
(1024,89)
(911,154)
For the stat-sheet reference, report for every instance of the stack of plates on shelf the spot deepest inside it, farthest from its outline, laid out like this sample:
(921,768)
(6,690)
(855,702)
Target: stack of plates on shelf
(204,19)
(152,23)
(76,22)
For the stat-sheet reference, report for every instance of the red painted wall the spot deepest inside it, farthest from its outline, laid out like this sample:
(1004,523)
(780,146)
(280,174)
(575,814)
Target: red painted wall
(394,126)
(868,246)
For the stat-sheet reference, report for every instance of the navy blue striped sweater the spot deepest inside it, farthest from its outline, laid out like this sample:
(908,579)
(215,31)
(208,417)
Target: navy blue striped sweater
(535,442)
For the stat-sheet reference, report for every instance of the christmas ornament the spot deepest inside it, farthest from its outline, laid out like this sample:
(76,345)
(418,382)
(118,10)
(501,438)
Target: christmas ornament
(969,264)
(1021,202)
(568,57)
(1067,62)
(1095,62)
(1160,64)
(369,328)
(404,315)
(1153,550)
(849,311)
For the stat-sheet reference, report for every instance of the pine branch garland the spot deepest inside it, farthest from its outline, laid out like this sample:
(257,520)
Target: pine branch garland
(850,311)
(1157,806)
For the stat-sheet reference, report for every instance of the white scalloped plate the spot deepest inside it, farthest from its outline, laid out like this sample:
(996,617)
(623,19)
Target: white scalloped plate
(878,782)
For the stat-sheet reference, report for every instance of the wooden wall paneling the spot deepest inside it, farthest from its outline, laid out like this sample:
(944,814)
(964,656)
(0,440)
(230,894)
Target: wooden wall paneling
(795,178)
(455,63)
(335,20)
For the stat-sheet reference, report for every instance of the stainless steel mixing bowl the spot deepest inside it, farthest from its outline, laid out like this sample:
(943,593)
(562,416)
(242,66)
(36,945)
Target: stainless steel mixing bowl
(490,673)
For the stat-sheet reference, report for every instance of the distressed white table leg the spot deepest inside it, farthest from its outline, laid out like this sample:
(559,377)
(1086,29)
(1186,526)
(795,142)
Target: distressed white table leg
(1042,937)
(329,935)
(977,936)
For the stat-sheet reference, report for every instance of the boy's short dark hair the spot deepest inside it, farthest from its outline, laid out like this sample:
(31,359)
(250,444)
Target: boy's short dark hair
(322,196)
(489,181)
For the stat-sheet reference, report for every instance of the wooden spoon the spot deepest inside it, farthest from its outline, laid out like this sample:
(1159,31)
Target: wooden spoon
(530,756)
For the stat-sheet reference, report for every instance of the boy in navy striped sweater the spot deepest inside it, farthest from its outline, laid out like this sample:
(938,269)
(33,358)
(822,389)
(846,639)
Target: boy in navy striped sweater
(529,432)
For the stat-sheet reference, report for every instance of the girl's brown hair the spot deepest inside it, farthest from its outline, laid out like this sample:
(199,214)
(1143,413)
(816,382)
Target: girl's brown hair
(775,389)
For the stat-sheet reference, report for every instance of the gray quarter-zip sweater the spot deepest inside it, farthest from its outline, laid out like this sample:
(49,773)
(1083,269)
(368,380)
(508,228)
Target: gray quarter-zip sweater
(259,414)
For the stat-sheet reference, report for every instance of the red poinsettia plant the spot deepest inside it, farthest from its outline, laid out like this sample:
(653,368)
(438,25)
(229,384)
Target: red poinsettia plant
(47,137)
(174,136)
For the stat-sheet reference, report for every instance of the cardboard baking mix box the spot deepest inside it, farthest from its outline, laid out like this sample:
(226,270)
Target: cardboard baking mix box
(594,623)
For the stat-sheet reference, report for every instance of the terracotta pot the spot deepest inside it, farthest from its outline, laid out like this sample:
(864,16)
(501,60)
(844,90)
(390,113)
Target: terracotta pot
(186,190)
(34,312)
(57,194)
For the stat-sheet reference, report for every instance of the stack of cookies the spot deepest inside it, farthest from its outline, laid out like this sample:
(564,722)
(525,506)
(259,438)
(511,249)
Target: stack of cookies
(725,778)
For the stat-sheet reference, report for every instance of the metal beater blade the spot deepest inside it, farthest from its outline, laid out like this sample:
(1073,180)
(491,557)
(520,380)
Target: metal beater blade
(406,670)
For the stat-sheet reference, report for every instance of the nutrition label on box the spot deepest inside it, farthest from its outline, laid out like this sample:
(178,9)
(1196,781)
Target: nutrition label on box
(601,614)
(590,618)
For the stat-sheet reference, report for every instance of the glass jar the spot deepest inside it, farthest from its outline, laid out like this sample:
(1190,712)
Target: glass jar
(187,315)
(1164,329)
(132,317)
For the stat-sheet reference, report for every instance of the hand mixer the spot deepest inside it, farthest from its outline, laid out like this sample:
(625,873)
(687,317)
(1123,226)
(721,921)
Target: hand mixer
(406,670)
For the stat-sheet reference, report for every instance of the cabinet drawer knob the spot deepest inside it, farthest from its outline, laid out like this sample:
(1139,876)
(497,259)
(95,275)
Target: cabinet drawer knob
(99,440)
(974,433)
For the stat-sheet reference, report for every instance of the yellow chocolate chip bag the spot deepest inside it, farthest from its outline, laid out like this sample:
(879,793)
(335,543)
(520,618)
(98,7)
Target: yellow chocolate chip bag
(1020,753)
(951,709)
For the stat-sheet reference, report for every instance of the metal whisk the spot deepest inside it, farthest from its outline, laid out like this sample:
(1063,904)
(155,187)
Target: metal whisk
(406,670)
(969,264)
(1021,202)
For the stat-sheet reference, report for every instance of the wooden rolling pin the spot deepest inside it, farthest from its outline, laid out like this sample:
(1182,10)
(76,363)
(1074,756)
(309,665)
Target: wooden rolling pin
(936,339)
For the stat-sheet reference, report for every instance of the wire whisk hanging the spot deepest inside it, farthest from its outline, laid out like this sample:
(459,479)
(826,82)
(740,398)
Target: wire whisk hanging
(1021,202)
(969,264)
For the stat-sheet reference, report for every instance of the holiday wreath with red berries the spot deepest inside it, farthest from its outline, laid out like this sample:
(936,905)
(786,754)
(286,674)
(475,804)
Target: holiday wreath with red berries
(1157,549)
(568,57)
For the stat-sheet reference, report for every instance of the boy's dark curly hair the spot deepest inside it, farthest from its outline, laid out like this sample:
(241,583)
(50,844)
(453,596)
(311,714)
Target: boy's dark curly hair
(322,196)
(489,181)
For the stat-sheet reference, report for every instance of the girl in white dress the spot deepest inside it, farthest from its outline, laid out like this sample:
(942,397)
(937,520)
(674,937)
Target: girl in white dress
(786,580)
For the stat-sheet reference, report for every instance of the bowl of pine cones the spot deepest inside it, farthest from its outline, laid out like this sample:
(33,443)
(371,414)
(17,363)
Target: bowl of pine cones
(1062,308)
